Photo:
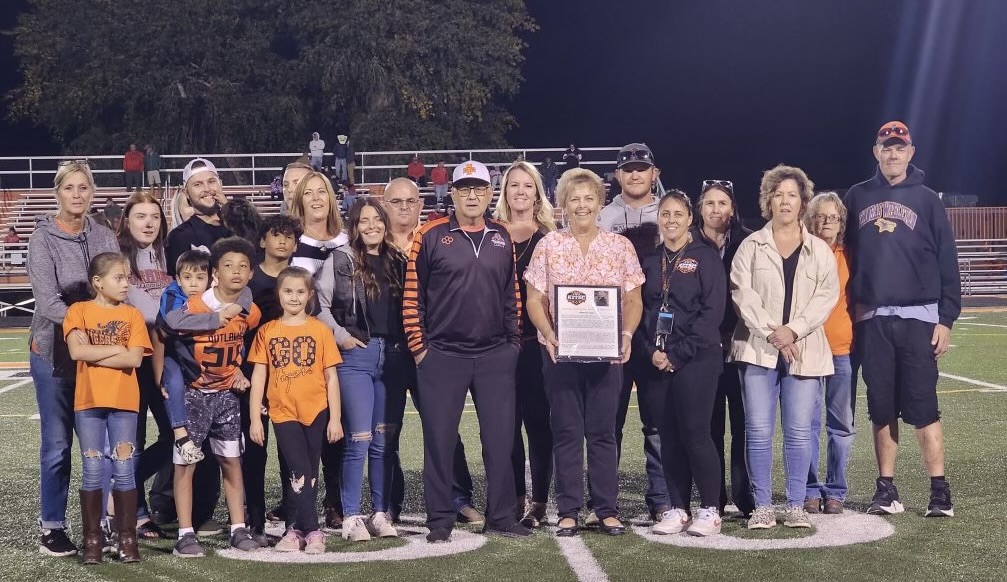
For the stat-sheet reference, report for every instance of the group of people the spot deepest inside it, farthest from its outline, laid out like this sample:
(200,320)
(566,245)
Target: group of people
(136,163)
(342,168)
(321,327)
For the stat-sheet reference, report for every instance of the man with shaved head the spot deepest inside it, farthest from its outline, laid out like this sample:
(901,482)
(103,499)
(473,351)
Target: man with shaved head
(403,203)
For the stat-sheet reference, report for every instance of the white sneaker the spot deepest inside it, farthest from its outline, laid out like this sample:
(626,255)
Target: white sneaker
(381,526)
(355,529)
(672,521)
(706,523)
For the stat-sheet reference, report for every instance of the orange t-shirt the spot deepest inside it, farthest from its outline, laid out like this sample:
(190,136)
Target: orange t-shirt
(296,357)
(839,325)
(122,325)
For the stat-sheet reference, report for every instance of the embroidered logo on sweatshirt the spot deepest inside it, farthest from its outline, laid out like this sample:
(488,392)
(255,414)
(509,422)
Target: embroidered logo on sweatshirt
(687,266)
(878,213)
(498,240)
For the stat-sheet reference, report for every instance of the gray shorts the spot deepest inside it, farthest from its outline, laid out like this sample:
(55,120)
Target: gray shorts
(217,416)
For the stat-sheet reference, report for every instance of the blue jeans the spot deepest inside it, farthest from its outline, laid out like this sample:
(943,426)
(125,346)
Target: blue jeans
(174,385)
(840,395)
(54,395)
(363,395)
(101,432)
(761,389)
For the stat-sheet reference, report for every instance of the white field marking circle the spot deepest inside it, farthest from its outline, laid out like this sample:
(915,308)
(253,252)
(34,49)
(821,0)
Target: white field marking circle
(416,548)
(830,530)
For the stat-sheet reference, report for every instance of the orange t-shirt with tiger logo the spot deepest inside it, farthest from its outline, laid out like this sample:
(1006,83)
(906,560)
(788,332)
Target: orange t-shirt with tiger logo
(296,357)
(122,325)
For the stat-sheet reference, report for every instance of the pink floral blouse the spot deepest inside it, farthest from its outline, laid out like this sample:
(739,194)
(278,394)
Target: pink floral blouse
(558,260)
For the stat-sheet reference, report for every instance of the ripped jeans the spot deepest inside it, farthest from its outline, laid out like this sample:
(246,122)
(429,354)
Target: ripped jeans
(364,399)
(101,431)
(301,447)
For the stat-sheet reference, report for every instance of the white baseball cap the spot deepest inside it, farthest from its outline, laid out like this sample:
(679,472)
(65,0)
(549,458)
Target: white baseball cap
(204,165)
(470,170)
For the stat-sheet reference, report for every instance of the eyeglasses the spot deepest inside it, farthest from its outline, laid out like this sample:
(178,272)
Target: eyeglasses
(896,129)
(638,155)
(80,162)
(724,184)
(826,218)
(403,202)
(467,191)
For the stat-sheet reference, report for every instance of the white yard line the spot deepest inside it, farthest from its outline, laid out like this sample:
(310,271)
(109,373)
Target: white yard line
(15,385)
(985,324)
(991,386)
(581,560)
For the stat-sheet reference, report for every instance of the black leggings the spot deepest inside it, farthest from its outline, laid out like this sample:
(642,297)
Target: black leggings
(687,449)
(533,411)
(302,448)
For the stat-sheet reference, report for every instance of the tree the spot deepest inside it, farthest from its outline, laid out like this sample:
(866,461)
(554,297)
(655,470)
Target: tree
(261,75)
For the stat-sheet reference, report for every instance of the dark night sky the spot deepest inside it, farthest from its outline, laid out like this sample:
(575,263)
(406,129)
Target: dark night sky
(729,88)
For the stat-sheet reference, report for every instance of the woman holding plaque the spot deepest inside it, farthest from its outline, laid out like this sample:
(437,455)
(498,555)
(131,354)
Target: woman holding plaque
(784,285)
(683,304)
(583,392)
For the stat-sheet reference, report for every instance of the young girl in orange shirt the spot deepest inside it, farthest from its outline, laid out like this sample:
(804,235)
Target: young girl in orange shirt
(298,355)
(108,340)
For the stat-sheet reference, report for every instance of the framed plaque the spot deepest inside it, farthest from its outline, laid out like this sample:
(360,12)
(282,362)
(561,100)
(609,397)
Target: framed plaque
(588,322)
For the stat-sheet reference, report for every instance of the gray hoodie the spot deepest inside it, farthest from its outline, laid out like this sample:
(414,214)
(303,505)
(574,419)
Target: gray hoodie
(57,268)
(639,225)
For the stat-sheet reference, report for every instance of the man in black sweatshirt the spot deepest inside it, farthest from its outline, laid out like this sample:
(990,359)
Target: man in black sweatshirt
(461,310)
(907,293)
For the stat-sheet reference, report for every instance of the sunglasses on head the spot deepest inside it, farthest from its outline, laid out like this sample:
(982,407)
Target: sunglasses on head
(724,184)
(74,163)
(893,129)
(640,155)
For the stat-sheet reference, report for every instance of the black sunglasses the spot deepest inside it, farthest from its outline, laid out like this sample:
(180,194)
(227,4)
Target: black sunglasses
(80,162)
(724,184)
(887,131)
(638,155)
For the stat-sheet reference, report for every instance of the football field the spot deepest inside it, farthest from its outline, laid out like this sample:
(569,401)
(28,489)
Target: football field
(853,547)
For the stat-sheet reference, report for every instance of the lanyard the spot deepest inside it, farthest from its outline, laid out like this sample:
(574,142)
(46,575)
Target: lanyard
(665,275)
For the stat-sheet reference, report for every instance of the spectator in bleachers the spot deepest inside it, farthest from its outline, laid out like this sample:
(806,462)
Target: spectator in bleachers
(11,260)
(343,154)
(59,252)
(132,166)
(152,163)
(316,147)
(437,213)
(276,188)
(441,180)
(572,157)
(202,187)
(349,195)
(495,178)
(113,213)
(550,174)
(417,172)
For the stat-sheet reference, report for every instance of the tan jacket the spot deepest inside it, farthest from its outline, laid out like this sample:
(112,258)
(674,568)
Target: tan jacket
(757,292)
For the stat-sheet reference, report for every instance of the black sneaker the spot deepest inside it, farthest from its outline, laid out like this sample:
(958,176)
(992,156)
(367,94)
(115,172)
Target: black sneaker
(515,530)
(940,502)
(437,536)
(886,499)
(55,543)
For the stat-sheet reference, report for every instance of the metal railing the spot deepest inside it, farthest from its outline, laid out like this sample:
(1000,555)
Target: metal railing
(259,169)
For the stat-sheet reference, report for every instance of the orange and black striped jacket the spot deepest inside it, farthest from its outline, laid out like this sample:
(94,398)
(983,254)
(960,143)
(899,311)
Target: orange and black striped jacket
(461,295)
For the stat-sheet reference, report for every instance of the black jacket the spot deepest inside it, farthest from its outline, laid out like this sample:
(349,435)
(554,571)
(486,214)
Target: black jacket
(348,304)
(902,247)
(697,295)
(738,234)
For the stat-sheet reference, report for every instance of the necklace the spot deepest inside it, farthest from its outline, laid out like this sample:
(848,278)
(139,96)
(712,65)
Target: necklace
(527,245)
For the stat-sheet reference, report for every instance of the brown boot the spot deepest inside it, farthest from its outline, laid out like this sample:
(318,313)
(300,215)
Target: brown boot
(90,513)
(125,524)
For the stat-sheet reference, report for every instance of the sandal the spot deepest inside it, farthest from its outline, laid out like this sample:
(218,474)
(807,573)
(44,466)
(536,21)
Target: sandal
(150,531)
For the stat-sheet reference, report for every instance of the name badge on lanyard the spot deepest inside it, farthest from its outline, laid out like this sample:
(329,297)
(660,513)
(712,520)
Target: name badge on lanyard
(665,317)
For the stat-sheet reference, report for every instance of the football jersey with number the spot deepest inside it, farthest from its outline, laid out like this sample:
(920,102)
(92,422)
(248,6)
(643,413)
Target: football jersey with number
(296,357)
(210,360)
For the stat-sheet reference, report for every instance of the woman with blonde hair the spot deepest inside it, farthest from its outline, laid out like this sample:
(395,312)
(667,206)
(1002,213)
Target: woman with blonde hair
(826,219)
(59,252)
(317,207)
(528,216)
(784,285)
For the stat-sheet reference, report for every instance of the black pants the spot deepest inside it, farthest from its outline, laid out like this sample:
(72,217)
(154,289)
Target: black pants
(332,475)
(728,400)
(533,412)
(687,449)
(253,469)
(302,448)
(444,380)
(158,455)
(582,402)
(650,404)
(134,180)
